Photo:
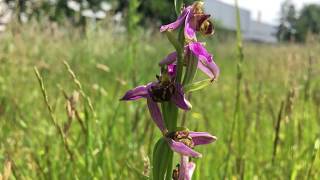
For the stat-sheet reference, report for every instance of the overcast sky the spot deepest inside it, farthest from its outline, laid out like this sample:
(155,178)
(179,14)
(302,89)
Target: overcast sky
(270,9)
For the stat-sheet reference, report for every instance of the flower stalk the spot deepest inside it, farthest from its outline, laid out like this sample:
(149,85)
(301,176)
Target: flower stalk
(166,95)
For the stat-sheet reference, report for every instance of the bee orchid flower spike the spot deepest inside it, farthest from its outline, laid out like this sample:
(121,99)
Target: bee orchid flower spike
(167,94)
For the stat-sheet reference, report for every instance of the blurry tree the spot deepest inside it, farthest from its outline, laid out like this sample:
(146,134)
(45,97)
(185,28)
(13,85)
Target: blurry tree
(163,10)
(132,20)
(61,11)
(293,27)
(288,20)
(55,10)
(94,4)
(308,21)
(78,11)
(133,17)
(21,5)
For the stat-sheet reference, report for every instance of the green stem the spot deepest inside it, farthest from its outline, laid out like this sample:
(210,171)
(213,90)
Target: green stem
(190,71)
(178,5)
(180,51)
(178,44)
(164,108)
(236,119)
(240,79)
(169,110)
(172,117)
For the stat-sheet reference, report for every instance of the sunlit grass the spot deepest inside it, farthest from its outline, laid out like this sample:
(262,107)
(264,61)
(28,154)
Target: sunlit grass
(121,135)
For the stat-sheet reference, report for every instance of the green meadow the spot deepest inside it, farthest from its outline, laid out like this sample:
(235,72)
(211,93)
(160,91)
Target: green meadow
(68,122)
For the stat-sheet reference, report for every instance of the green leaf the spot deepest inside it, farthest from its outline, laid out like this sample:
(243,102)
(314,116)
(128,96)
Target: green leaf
(197,85)
(161,156)
(169,166)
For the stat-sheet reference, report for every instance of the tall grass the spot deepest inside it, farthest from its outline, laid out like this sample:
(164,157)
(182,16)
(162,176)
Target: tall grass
(236,121)
(119,137)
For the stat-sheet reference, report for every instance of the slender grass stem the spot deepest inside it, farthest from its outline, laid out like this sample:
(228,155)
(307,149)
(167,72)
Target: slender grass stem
(87,118)
(52,116)
(277,132)
(313,158)
(77,82)
(239,77)
(77,116)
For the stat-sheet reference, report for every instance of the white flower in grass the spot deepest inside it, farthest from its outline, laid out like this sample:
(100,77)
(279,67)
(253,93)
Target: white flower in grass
(117,17)
(85,4)
(2,27)
(24,17)
(100,15)
(88,13)
(74,5)
(105,6)
(94,15)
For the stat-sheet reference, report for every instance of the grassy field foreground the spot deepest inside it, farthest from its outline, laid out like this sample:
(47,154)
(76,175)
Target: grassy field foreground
(276,136)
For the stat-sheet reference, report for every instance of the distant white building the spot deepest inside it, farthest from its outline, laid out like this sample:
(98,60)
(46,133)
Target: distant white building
(5,15)
(252,30)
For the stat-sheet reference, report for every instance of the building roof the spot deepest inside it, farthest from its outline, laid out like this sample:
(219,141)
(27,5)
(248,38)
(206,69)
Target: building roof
(225,14)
